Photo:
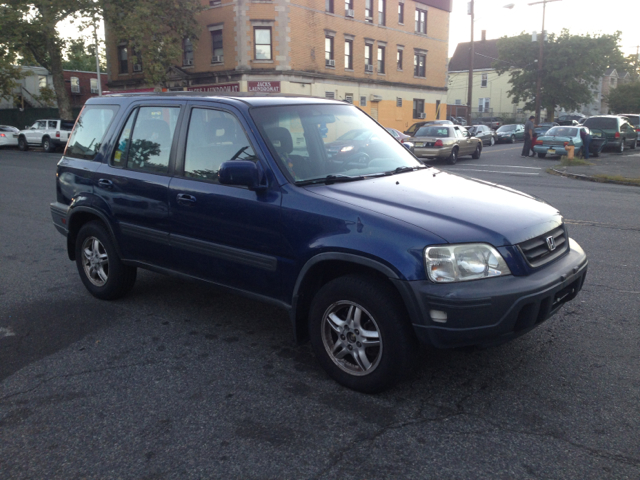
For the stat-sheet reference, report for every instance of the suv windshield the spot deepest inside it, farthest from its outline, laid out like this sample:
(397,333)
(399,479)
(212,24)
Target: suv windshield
(506,128)
(317,141)
(602,122)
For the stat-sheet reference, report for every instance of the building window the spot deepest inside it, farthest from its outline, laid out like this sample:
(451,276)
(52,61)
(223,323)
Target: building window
(401,13)
(483,82)
(421,21)
(123,61)
(399,59)
(458,102)
(187,52)
(398,101)
(348,8)
(419,62)
(214,3)
(348,97)
(328,52)
(418,108)
(216,46)
(328,6)
(483,104)
(381,12)
(329,95)
(380,59)
(94,85)
(368,53)
(368,11)
(262,36)
(363,101)
(75,85)
(42,81)
(348,54)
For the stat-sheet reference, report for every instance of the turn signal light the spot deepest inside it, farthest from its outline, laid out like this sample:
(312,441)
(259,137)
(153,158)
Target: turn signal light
(2,135)
(438,143)
(538,142)
(617,134)
(57,134)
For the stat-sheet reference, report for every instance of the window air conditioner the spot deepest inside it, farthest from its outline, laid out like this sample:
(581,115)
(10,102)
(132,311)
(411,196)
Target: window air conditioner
(217,59)
(137,67)
(188,61)
(368,68)
(331,63)
(350,13)
(423,115)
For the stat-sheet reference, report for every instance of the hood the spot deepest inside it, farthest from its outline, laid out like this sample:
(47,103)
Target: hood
(455,208)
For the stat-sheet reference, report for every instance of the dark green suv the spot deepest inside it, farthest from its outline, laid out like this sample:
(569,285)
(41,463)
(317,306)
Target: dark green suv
(618,131)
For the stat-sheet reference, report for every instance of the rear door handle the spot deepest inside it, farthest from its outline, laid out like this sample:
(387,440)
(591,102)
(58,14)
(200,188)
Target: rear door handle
(185,199)
(105,183)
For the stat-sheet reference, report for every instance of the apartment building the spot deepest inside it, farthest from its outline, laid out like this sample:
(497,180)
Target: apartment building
(388,57)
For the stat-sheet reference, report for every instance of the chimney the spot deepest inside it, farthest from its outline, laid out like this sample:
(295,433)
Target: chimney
(484,35)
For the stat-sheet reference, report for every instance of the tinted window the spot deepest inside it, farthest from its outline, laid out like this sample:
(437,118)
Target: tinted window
(214,137)
(151,139)
(608,123)
(89,131)
(66,125)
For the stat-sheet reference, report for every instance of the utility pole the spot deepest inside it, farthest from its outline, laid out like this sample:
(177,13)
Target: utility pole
(95,37)
(540,56)
(471,55)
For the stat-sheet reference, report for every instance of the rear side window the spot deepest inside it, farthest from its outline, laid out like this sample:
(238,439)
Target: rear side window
(89,131)
(66,125)
(145,142)
(607,123)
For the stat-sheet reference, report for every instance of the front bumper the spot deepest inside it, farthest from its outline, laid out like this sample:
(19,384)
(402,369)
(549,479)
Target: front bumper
(493,311)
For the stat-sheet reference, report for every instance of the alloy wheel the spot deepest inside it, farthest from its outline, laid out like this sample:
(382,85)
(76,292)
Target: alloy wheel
(95,261)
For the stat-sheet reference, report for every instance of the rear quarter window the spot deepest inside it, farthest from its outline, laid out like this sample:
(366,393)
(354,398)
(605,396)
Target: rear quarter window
(89,131)
(66,125)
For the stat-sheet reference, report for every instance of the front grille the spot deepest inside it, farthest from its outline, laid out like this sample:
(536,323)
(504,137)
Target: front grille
(537,251)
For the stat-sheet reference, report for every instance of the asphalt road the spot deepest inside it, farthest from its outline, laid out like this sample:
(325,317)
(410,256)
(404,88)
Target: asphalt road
(178,380)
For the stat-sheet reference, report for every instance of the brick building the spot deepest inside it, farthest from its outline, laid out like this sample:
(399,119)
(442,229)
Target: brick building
(389,57)
(81,86)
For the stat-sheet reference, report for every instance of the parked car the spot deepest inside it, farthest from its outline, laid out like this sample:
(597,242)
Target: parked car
(491,122)
(458,120)
(543,127)
(510,133)
(618,131)
(48,134)
(414,128)
(8,136)
(356,145)
(633,119)
(573,119)
(484,133)
(556,140)
(397,134)
(445,142)
(368,259)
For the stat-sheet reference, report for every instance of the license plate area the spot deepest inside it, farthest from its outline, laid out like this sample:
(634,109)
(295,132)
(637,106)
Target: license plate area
(551,151)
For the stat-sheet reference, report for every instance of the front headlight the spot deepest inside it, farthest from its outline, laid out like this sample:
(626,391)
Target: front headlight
(459,263)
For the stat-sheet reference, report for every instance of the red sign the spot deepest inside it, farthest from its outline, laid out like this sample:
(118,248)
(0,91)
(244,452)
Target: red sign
(264,87)
(220,87)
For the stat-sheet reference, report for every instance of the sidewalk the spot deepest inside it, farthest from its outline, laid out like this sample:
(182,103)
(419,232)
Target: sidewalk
(610,167)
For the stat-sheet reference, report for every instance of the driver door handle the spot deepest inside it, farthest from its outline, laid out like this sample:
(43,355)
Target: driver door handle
(105,183)
(185,199)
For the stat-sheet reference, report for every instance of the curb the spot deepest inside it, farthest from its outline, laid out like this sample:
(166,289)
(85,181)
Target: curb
(589,178)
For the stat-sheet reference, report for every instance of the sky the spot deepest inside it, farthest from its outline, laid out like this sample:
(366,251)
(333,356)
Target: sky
(579,16)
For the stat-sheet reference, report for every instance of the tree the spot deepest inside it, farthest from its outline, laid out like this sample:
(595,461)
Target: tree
(9,73)
(81,56)
(572,66)
(154,30)
(625,98)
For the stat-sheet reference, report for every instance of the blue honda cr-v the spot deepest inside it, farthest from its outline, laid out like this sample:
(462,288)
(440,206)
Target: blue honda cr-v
(370,251)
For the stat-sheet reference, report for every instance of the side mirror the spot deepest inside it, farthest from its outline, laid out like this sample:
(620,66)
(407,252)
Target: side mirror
(242,173)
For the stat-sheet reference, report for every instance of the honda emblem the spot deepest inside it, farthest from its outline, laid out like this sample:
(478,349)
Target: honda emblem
(551,244)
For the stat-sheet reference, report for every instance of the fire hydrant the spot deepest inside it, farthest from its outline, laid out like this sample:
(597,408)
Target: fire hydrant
(570,151)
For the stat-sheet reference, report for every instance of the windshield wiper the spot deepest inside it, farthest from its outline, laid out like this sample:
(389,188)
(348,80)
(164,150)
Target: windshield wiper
(330,179)
(405,169)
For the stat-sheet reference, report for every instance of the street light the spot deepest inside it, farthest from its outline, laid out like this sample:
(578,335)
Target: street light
(471,11)
(540,56)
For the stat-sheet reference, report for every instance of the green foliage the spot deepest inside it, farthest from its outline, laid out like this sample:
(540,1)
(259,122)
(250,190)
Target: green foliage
(154,30)
(625,98)
(47,97)
(9,74)
(572,65)
(80,56)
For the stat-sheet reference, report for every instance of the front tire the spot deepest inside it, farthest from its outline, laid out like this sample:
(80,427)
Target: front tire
(453,158)
(513,139)
(360,334)
(493,141)
(100,268)
(22,144)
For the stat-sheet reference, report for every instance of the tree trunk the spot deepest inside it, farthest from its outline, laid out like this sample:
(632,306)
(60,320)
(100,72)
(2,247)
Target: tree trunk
(55,56)
(551,113)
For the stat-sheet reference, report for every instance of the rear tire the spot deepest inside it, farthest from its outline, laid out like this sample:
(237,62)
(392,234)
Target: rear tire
(513,139)
(22,144)
(542,155)
(493,141)
(48,145)
(453,158)
(621,147)
(100,268)
(360,334)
